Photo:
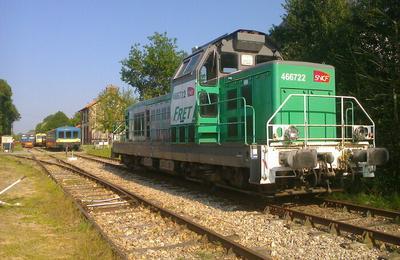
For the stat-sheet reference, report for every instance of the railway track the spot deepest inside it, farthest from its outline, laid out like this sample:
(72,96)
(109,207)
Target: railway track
(378,227)
(263,232)
(105,202)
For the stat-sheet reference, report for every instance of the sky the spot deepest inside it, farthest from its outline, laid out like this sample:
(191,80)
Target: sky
(59,55)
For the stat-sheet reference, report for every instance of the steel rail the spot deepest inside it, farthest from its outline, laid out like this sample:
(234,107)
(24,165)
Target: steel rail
(211,235)
(365,209)
(117,251)
(335,225)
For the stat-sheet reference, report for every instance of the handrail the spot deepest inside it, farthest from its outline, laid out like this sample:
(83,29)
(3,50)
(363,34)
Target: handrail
(306,125)
(245,107)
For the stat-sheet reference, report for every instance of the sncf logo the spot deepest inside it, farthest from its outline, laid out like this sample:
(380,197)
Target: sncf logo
(190,91)
(320,76)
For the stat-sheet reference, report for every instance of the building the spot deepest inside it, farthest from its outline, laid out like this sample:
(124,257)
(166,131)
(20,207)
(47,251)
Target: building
(89,127)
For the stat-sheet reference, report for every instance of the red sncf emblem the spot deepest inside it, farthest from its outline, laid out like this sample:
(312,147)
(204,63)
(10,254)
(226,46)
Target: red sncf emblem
(320,76)
(190,91)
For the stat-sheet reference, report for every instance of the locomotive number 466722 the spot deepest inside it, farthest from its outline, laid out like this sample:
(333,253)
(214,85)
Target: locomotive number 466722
(293,77)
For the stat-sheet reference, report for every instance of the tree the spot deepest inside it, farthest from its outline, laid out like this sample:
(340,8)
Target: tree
(76,119)
(55,120)
(8,112)
(111,106)
(149,69)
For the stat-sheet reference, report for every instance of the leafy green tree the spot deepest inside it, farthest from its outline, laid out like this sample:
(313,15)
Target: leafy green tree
(55,120)
(76,119)
(111,106)
(149,69)
(8,112)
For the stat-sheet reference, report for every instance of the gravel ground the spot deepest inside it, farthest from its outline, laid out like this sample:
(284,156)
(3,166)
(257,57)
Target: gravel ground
(263,232)
(139,232)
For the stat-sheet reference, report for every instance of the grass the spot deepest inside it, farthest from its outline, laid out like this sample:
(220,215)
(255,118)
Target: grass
(103,152)
(47,225)
(391,202)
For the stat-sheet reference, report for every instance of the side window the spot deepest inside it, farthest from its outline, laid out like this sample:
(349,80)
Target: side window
(208,72)
(229,62)
(75,133)
(68,134)
(209,107)
(60,134)
(182,68)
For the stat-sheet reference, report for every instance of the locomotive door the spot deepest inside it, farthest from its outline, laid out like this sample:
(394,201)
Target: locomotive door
(207,127)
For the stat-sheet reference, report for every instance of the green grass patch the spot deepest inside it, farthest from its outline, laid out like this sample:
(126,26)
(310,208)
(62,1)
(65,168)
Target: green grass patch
(47,225)
(391,202)
(103,152)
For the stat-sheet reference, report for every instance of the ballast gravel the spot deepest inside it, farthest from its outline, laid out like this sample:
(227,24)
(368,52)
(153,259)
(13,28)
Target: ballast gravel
(264,232)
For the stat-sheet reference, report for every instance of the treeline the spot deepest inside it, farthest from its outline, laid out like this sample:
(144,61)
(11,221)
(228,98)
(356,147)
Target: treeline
(55,120)
(361,39)
(8,112)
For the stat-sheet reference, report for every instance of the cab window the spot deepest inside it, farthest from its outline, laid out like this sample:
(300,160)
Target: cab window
(229,62)
(188,65)
(208,72)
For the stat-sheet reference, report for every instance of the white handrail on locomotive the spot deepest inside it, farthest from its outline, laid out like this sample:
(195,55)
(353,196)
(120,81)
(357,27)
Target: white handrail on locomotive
(307,126)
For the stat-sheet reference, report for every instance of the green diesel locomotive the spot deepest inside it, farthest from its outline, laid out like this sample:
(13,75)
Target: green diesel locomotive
(238,115)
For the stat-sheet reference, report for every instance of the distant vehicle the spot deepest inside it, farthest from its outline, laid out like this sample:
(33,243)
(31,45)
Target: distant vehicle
(64,137)
(27,140)
(40,139)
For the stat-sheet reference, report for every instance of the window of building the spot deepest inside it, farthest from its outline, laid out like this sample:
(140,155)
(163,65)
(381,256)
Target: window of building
(208,104)
(229,62)
(232,104)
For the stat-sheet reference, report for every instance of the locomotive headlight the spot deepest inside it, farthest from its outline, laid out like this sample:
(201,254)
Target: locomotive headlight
(360,133)
(291,133)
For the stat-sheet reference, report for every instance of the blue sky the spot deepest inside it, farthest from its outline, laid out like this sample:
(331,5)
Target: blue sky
(58,55)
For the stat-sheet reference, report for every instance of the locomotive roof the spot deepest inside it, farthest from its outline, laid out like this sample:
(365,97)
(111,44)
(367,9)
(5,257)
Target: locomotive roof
(147,102)
(234,34)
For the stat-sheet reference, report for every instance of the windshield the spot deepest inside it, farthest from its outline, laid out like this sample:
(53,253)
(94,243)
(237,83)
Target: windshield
(188,65)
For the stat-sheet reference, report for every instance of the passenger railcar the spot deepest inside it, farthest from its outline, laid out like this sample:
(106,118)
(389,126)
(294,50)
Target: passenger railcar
(64,137)
(239,115)
(40,139)
(27,140)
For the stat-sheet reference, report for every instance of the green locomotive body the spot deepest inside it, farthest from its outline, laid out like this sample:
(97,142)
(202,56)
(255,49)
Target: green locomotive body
(239,115)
